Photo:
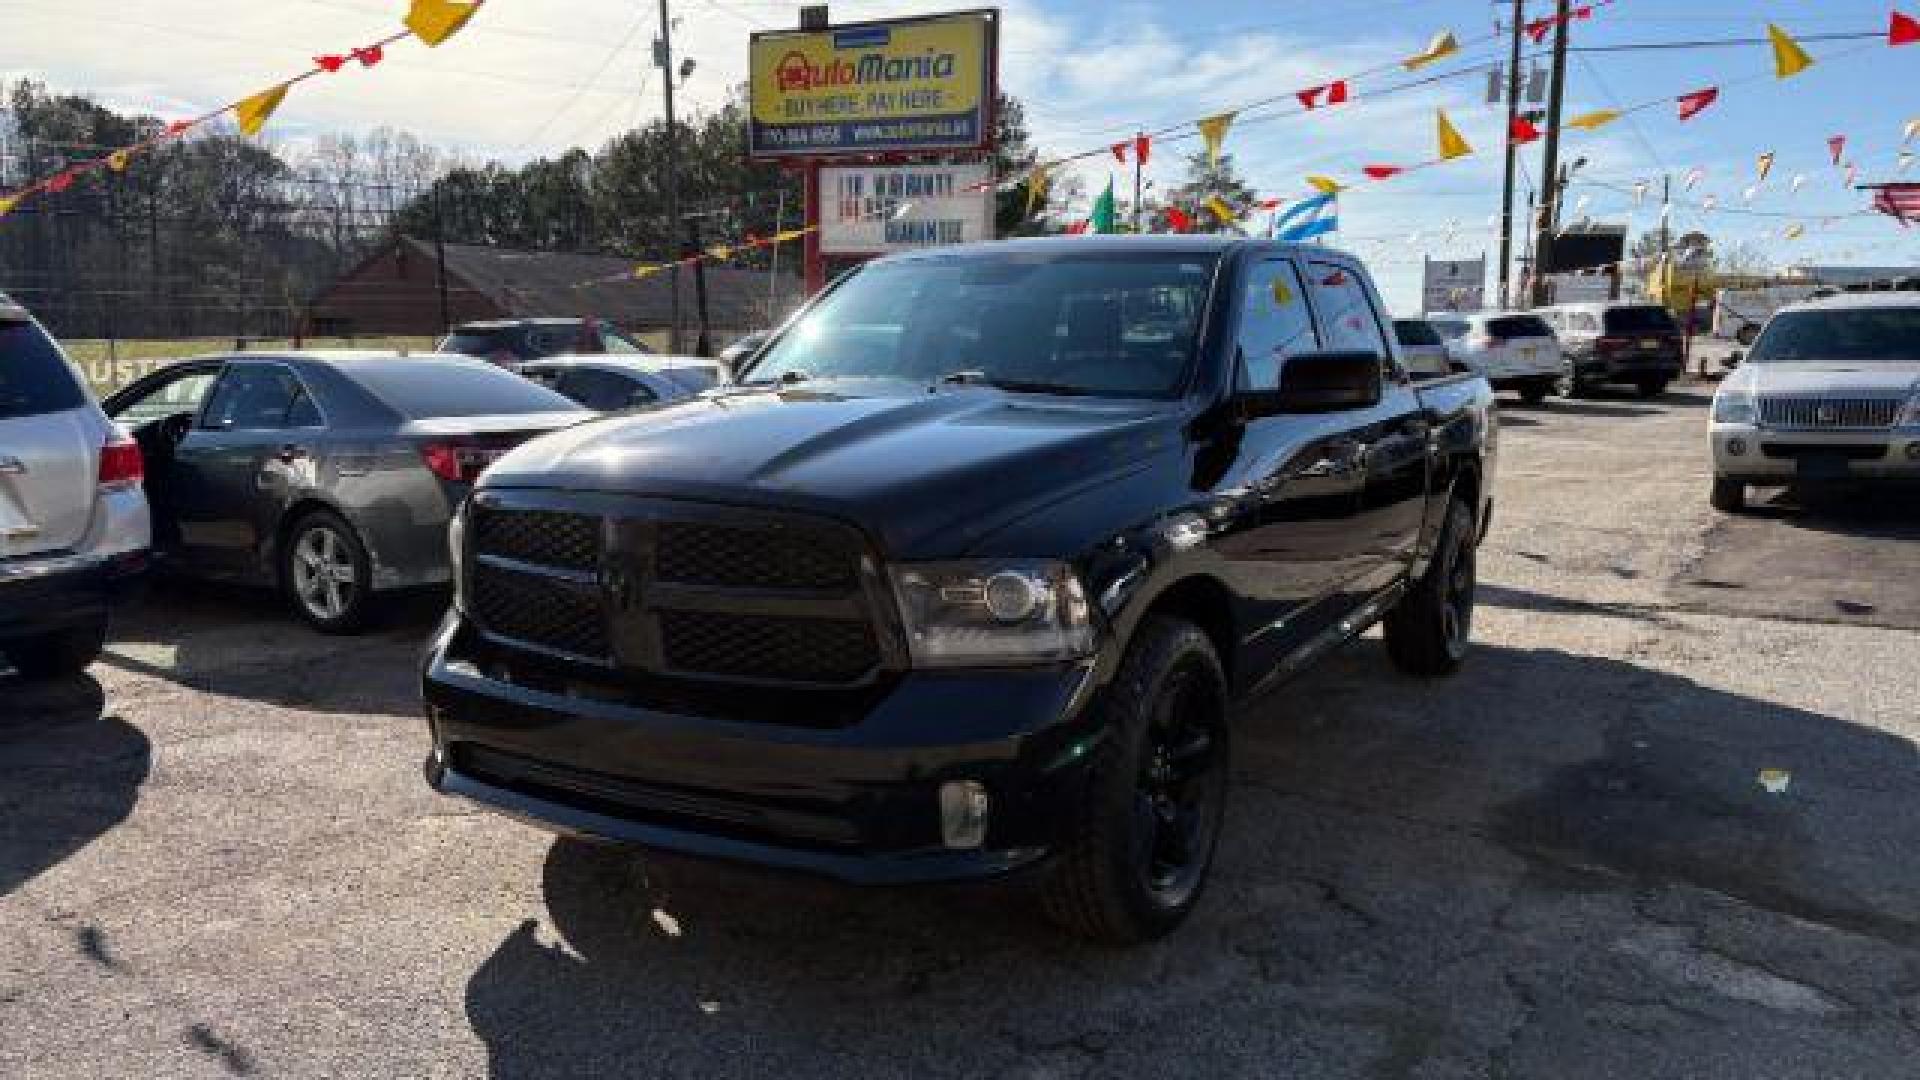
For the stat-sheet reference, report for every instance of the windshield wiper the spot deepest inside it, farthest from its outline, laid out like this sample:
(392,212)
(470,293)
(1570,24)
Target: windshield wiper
(972,377)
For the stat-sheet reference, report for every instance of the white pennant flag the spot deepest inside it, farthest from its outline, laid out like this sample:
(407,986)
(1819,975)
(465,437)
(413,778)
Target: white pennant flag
(1639,192)
(1749,194)
(1799,181)
(1694,176)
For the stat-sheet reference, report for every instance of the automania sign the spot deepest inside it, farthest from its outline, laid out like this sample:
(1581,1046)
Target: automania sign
(875,88)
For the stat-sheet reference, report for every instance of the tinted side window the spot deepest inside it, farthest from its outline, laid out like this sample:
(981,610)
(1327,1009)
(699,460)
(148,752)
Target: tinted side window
(1345,310)
(601,391)
(252,399)
(423,387)
(34,378)
(1274,324)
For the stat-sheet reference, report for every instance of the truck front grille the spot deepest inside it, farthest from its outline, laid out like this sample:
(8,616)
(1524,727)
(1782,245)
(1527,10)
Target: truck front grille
(678,590)
(1831,414)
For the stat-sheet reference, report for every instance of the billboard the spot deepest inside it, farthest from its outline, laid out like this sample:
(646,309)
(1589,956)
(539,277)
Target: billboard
(1603,245)
(1454,285)
(875,209)
(890,87)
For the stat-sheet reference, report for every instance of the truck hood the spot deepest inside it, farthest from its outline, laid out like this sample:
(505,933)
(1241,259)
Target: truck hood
(926,472)
(1836,380)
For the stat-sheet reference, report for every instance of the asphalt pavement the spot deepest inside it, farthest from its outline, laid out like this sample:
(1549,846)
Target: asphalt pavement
(1662,825)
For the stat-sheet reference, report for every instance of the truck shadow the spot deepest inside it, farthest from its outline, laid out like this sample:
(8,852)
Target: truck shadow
(1388,844)
(244,642)
(72,773)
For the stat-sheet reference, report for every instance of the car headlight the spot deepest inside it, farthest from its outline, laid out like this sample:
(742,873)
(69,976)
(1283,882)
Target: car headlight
(993,613)
(1733,407)
(457,554)
(1910,412)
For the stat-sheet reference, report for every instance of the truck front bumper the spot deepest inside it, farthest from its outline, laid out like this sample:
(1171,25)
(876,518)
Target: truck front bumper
(857,798)
(1759,455)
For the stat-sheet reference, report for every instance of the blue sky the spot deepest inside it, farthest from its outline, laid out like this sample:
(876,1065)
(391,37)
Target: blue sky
(530,78)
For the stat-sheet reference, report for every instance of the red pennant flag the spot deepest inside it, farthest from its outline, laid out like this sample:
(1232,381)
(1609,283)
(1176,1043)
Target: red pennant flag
(1383,172)
(1178,218)
(1271,204)
(329,62)
(368,56)
(1335,93)
(1903,30)
(1537,29)
(178,126)
(1692,105)
(60,183)
(1837,146)
(1142,146)
(1523,131)
(1119,152)
(1077,227)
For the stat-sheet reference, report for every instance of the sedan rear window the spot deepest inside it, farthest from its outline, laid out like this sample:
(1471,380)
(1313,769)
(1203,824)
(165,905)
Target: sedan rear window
(422,388)
(512,342)
(1508,327)
(34,377)
(1415,332)
(1640,320)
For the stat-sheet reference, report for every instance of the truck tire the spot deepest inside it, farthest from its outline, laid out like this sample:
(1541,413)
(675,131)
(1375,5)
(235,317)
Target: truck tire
(59,654)
(1652,388)
(327,574)
(1429,630)
(1534,393)
(1139,841)
(1729,495)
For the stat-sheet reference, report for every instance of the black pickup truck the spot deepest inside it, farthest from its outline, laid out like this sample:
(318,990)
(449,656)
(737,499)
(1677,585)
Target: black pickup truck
(962,576)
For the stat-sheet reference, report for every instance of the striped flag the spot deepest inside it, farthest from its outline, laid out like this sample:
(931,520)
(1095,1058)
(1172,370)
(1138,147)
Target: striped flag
(1307,219)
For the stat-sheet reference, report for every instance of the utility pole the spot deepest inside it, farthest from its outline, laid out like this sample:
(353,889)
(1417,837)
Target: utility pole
(1549,210)
(1137,217)
(439,258)
(1506,190)
(663,58)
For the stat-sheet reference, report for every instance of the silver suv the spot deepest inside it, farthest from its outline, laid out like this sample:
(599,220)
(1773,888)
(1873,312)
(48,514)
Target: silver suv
(73,518)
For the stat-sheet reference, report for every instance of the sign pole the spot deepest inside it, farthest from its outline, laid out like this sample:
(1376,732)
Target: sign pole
(811,259)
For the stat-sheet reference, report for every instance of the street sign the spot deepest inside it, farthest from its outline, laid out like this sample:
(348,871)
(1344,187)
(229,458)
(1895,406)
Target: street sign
(1454,285)
(875,209)
(888,87)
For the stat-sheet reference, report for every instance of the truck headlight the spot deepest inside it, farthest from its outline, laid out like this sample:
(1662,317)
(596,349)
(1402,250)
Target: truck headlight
(993,613)
(1733,407)
(457,554)
(1910,412)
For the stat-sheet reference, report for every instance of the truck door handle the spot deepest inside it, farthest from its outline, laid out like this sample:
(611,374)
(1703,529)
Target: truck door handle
(290,453)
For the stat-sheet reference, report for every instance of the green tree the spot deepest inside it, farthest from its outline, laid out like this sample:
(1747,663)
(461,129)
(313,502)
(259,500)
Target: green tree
(1206,181)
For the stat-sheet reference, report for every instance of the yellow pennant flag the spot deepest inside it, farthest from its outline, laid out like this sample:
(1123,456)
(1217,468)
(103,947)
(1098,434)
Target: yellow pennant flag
(1912,130)
(1794,232)
(7,203)
(117,161)
(1037,182)
(1452,145)
(434,21)
(1443,44)
(1326,185)
(253,112)
(646,270)
(1214,131)
(1766,165)
(789,234)
(1595,120)
(1789,59)
(721,252)
(1221,210)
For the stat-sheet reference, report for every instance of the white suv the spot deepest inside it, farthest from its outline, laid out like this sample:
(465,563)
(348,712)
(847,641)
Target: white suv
(73,517)
(1513,350)
(1830,392)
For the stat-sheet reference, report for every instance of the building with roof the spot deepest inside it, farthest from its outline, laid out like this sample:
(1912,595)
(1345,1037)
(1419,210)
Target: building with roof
(397,291)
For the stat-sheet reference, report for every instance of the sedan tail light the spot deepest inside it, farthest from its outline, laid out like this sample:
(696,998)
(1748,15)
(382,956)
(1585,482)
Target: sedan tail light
(1612,344)
(121,466)
(459,463)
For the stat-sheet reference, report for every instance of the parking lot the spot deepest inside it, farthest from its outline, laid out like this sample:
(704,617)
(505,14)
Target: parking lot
(218,857)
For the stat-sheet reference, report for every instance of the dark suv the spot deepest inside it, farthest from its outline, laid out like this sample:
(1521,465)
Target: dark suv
(512,342)
(962,579)
(1637,344)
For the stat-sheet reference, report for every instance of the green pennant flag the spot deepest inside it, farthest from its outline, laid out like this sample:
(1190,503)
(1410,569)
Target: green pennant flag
(1103,210)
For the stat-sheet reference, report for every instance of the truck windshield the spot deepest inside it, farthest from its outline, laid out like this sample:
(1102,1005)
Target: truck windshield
(1860,336)
(1099,323)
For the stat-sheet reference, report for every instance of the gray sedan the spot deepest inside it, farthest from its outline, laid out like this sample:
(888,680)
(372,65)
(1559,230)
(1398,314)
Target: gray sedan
(617,383)
(330,475)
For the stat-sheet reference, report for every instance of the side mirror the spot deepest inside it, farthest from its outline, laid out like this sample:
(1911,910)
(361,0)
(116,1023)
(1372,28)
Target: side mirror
(1734,359)
(1319,382)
